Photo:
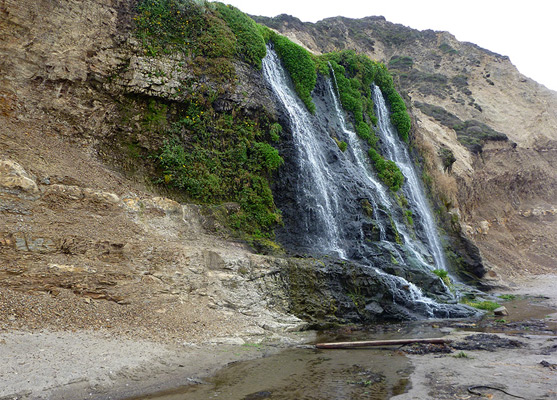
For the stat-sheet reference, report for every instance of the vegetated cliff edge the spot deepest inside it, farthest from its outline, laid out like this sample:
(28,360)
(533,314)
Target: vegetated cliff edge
(486,133)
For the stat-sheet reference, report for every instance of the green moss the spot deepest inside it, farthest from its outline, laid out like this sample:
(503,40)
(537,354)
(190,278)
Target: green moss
(342,145)
(367,207)
(299,64)
(444,275)
(409,219)
(387,171)
(395,230)
(482,305)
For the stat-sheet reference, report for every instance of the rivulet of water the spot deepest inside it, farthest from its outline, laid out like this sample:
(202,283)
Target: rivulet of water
(315,183)
(395,149)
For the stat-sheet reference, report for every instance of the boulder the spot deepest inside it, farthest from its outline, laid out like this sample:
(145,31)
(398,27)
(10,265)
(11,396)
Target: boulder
(502,311)
(14,179)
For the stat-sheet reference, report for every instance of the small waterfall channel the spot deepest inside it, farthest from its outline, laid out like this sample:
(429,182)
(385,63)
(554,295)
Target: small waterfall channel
(362,161)
(314,183)
(322,193)
(396,151)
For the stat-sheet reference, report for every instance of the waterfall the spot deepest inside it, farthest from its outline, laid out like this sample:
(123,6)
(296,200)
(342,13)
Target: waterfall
(412,298)
(320,192)
(314,182)
(409,294)
(363,163)
(395,149)
(360,159)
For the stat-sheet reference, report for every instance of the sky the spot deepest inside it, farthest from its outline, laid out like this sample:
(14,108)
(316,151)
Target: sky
(525,31)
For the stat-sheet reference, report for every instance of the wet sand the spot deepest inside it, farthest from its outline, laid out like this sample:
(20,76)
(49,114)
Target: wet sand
(96,365)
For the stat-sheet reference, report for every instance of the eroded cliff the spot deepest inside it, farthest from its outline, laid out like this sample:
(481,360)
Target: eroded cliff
(85,107)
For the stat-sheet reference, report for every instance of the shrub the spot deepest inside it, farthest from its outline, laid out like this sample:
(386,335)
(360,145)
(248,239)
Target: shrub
(274,131)
(471,133)
(401,62)
(268,156)
(250,44)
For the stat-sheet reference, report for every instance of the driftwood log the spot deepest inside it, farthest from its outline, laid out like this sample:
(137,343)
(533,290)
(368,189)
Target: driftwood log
(371,343)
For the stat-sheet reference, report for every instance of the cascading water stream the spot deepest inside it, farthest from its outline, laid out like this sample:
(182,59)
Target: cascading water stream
(321,193)
(396,151)
(363,164)
(315,182)
(359,157)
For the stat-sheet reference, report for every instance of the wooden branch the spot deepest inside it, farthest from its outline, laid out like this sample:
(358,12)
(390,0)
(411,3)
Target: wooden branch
(371,343)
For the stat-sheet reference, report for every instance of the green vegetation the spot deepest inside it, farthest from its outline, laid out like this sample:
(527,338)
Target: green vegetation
(447,49)
(444,275)
(212,33)
(210,156)
(167,26)
(299,64)
(387,170)
(482,305)
(428,84)
(398,239)
(507,296)
(401,62)
(447,158)
(217,158)
(354,75)
(250,44)
(461,354)
(409,219)
(399,114)
(342,145)
(274,131)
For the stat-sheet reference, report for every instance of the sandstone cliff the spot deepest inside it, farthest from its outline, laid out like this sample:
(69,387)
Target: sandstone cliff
(502,191)
(83,228)
(83,241)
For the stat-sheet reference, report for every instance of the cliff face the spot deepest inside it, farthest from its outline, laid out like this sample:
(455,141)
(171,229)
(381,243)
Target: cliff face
(86,239)
(500,126)
(84,242)
(81,108)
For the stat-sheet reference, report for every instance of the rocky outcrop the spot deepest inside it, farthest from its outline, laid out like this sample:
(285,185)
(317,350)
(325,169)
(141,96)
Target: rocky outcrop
(103,247)
(491,182)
